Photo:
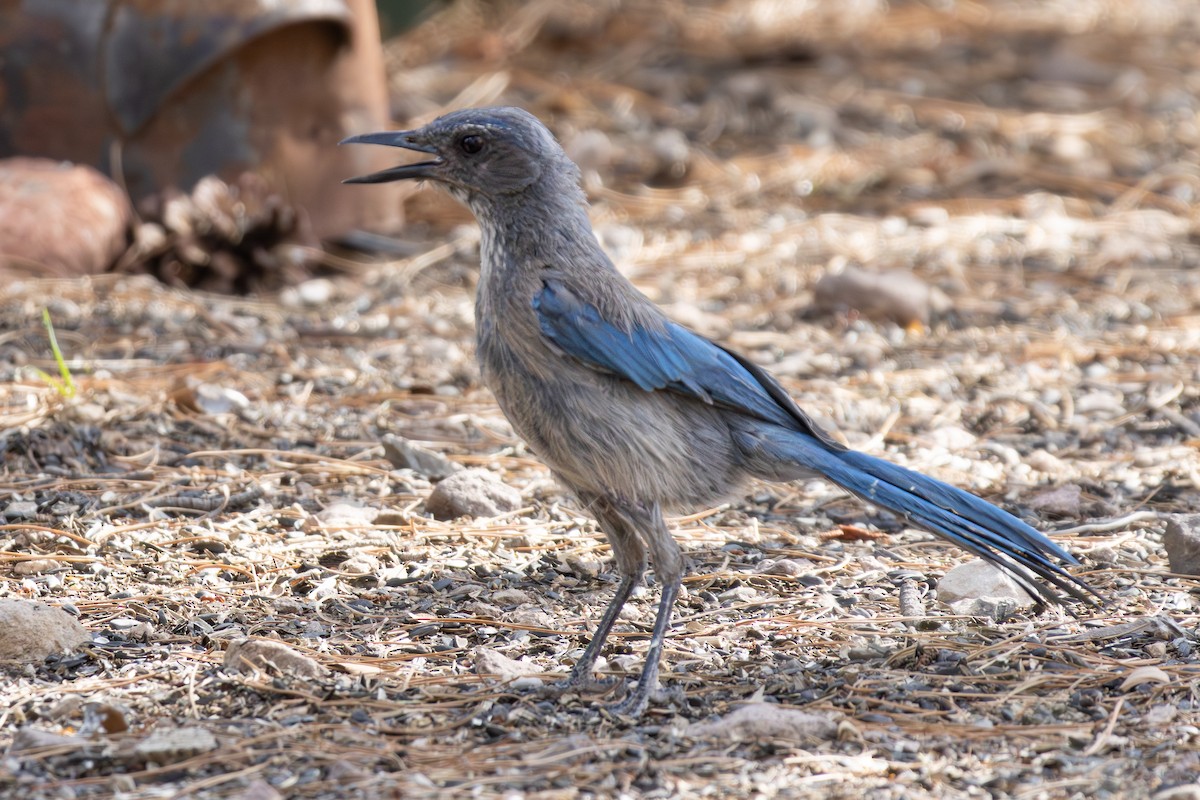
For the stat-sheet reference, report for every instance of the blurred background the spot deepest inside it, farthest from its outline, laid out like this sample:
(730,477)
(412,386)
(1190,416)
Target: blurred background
(218,122)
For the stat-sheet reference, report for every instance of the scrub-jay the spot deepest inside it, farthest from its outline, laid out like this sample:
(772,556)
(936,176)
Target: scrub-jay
(633,412)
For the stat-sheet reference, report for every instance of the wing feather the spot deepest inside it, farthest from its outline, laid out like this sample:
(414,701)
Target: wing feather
(666,358)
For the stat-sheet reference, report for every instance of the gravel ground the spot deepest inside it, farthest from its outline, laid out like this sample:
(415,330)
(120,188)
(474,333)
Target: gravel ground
(219,473)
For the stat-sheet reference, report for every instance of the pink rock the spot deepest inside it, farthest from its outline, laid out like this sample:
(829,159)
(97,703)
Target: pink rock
(58,219)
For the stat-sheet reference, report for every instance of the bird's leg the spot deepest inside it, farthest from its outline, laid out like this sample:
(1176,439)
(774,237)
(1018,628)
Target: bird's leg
(668,567)
(630,555)
(636,702)
(581,673)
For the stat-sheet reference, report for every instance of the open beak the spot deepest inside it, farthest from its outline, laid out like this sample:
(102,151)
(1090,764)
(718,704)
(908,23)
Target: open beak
(405,139)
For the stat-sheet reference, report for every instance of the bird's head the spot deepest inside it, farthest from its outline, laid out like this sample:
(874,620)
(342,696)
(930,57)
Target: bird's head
(478,153)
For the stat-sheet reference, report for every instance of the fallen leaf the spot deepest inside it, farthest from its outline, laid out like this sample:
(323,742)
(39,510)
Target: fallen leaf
(1144,675)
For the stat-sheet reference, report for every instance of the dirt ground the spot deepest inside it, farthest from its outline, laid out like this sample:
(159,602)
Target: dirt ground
(219,473)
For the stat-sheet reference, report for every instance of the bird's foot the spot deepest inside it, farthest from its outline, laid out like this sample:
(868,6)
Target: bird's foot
(586,684)
(636,702)
(632,706)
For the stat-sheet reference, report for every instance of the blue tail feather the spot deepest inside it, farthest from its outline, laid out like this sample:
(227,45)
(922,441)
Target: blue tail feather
(956,515)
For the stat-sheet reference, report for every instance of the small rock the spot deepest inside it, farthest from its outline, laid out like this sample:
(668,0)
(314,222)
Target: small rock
(533,617)
(344,771)
(360,564)
(788,567)
(35,739)
(211,398)
(979,589)
(260,654)
(31,631)
(392,517)
(315,630)
(952,437)
(134,630)
(1061,501)
(20,509)
(1190,791)
(178,744)
(493,662)
(207,398)
(979,578)
(510,597)
(671,152)
(531,536)
(259,790)
(315,292)
(59,219)
(210,547)
(1160,715)
(1182,541)
(997,608)
(895,295)
(759,721)
(36,566)
(1044,461)
(583,567)
(347,515)
(474,493)
(66,708)
(403,454)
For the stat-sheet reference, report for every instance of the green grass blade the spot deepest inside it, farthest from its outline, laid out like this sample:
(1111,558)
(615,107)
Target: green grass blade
(67,387)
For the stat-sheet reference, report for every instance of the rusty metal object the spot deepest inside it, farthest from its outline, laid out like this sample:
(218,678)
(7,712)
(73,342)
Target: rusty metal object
(161,93)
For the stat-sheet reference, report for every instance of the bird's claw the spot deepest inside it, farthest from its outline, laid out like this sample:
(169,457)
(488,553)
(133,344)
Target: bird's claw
(632,706)
(587,684)
(636,702)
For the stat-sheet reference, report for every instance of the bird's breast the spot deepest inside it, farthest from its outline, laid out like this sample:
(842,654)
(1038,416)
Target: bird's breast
(599,433)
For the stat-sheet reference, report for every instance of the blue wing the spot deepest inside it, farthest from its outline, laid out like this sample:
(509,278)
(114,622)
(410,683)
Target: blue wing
(669,357)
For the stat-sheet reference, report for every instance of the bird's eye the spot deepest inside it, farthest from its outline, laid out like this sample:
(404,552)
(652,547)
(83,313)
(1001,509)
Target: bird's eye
(471,143)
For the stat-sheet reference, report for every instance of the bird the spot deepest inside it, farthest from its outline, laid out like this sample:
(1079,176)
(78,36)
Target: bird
(636,414)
